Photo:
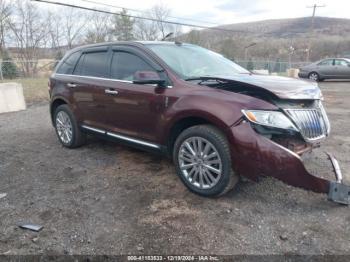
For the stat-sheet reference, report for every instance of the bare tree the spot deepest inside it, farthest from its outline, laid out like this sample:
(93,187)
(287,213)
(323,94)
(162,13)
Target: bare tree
(5,16)
(177,30)
(74,22)
(55,30)
(145,30)
(193,37)
(99,28)
(154,30)
(161,12)
(29,29)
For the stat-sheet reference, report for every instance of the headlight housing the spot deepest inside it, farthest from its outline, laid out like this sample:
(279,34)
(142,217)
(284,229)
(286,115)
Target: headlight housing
(269,118)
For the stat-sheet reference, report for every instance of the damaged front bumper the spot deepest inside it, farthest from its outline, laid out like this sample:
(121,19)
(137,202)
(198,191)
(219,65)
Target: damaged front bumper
(254,155)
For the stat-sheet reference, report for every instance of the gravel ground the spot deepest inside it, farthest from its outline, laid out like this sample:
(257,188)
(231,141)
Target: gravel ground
(107,199)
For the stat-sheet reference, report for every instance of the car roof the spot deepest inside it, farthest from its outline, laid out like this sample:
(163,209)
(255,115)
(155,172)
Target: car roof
(134,43)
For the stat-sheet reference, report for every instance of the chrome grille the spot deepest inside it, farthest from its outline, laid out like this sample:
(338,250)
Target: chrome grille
(312,123)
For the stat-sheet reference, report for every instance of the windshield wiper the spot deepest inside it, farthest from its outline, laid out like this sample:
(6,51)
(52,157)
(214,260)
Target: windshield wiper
(204,78)
(200,78)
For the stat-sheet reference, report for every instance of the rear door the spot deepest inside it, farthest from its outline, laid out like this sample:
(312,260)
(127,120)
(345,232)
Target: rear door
(88,82)
(136,109)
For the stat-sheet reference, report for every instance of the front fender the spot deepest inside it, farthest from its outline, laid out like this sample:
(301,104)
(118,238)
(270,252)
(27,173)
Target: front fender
(218,107)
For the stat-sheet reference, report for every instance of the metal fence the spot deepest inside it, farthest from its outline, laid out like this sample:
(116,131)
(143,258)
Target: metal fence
(12,69)
(271,66)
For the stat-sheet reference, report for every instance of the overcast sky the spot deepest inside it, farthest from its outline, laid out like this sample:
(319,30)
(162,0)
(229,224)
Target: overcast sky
(234,11)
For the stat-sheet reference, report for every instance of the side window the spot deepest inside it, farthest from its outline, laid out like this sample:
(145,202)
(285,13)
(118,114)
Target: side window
(68,65)
(125,65)
(340,62)
(328,62)
(93,64)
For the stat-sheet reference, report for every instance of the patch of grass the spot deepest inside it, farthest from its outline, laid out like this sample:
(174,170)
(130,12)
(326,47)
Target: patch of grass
(282,74)
(34,89)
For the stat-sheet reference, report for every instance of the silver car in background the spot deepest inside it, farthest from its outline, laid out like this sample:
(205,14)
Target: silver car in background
(330,68)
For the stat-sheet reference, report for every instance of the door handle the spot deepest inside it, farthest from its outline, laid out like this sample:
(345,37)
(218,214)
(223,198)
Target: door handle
(71,85)
(111,92)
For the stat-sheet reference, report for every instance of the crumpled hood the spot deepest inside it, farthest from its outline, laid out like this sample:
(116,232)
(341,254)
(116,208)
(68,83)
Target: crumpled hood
(283,87)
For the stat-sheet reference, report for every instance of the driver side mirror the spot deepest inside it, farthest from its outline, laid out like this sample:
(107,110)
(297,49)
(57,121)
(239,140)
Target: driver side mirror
(148,77)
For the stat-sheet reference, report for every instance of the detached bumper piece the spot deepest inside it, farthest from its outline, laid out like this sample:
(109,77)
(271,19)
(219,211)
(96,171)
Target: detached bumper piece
(339,193)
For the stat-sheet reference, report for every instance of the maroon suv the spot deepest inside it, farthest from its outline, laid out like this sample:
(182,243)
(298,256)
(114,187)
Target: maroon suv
(217,120)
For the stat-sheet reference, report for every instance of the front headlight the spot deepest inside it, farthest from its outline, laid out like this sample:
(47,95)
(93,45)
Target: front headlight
(269,118)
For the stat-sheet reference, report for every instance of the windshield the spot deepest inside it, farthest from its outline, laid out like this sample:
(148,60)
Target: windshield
(190,61)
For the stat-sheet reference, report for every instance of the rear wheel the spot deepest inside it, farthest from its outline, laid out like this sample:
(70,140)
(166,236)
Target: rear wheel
(67,129)
(203,161)
(314,76)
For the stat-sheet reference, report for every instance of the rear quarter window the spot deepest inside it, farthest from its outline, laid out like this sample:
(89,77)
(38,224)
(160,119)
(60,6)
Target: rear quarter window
(68,64)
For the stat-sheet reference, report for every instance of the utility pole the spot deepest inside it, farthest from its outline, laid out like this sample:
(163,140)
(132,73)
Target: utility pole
(246,50)
(314,7)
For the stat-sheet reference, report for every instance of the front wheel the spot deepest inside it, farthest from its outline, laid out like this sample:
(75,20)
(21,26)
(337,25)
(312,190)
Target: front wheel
(203,161)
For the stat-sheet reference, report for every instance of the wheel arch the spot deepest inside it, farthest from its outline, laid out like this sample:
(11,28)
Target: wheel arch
(56,103)
(189,120)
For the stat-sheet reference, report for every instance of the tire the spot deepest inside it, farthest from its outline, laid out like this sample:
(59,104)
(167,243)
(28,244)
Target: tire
(190,167)
(314,76)
(73,138)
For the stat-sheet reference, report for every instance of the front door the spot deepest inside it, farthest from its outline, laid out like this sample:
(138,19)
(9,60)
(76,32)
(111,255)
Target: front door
(342,68)
(326,67)
(135,109)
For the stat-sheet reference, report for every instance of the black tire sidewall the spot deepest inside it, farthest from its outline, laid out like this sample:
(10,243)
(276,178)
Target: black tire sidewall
(75,129)
(224,155)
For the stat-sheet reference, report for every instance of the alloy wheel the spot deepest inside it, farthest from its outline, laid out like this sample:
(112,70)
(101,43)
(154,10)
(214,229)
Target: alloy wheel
(64,127)
(313,76)
(200,162)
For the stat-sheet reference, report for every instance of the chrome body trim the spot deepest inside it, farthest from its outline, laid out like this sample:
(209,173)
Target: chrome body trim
(94,77)
(133,140)
(101,78)
(93,129)
(122,137)
(336,168)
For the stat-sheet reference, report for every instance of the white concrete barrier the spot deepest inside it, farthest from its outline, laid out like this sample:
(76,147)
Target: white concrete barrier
(11,97)
(293,72)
